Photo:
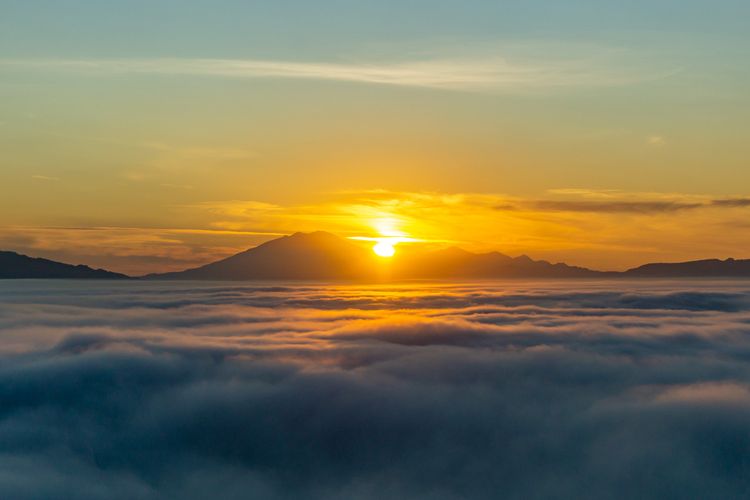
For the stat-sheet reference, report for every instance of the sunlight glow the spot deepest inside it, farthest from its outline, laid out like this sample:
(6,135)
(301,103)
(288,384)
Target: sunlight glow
(388,226)
(384,248)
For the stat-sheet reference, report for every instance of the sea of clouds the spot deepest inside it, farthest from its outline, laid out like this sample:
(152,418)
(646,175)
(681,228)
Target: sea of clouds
(463,391)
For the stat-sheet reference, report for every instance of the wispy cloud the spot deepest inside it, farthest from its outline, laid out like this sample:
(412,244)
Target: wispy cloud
(44,178)
(617,202)
(656,140)
(732,202)
(485,73)
(631,207)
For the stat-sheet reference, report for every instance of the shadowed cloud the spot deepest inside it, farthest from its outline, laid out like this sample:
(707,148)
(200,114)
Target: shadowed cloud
(636,207)
(159,390)
(643,207)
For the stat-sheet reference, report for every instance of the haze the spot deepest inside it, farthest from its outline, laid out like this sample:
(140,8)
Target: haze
(155,136)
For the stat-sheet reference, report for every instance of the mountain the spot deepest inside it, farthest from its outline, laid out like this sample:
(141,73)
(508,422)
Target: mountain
(14,265)
(301,256)
(710,268)
(323,256)
(455,263)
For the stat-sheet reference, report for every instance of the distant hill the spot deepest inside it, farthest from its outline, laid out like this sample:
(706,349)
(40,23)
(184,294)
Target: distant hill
(324,256)
(17,266)
(455,263)
(709,268)
(301,256)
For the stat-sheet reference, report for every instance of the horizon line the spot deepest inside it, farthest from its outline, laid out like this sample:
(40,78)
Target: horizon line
(409,240)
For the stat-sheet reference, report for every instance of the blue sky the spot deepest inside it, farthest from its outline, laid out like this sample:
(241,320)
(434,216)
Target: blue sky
(330,28)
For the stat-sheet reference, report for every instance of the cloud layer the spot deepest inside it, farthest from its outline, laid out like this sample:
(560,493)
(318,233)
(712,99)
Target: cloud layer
(575,68)
(526,390)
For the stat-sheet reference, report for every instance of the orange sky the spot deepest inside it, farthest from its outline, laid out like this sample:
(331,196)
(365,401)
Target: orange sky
(600,229)
(605,137)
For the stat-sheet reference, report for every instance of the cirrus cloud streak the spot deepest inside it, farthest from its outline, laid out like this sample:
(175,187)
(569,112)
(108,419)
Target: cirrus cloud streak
(479,73)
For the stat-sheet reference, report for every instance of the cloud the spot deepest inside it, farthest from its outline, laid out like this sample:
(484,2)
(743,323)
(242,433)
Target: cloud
(656,140)
(538,390)
(732,202)
(44,178)
(457,73)
(615,201)
(632,207)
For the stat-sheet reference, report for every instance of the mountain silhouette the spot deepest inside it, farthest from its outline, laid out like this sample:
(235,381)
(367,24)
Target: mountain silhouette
(708,268)
(301,256)
(324,256)
(456,263)
(14,265)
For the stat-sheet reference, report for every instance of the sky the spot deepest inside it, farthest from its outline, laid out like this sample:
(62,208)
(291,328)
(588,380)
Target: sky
(151,136)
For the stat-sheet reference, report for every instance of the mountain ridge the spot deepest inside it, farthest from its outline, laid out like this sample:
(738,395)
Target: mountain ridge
(326,257)
(18,266)
(358,263)
(715,268)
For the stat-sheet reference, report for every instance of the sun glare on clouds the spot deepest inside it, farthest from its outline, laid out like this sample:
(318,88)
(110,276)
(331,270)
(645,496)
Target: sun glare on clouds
(390,236)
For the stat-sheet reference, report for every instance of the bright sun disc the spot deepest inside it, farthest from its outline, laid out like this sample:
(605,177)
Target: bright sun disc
(384,249)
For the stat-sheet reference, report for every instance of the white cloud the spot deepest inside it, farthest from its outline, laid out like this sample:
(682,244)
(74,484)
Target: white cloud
(656,140)
(164,390)
(483,73)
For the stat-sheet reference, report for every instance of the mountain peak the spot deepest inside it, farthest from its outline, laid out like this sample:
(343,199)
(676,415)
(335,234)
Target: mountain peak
(453,251)
(314,236)
(320,255)
(316,239)
(317,255)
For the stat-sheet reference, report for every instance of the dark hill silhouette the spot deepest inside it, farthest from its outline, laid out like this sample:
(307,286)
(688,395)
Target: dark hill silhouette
(301,256)
(17,266)
(323,256)
(709,268)
(455,263)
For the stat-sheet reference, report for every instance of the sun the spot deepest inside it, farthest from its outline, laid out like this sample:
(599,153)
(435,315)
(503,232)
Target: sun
(384,249)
